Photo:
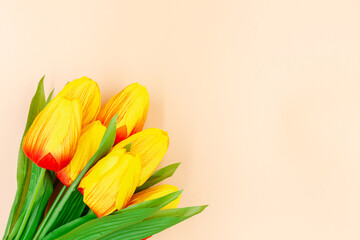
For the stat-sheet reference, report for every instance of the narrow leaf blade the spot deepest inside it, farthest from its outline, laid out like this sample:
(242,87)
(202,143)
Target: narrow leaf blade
(64,229)
(39,209)
(24,164)
(154,224)
(49,97)
(154,203)
(159,176)
(101,226)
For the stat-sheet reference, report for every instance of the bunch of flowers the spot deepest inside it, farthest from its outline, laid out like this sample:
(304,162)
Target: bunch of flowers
(86,172)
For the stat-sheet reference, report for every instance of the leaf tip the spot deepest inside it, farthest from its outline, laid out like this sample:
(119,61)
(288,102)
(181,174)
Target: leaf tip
(128,147)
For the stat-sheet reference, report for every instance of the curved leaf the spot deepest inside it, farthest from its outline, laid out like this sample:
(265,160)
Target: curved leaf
(159,176)
(24,168)
(101,226)
(154,203)
(154,224)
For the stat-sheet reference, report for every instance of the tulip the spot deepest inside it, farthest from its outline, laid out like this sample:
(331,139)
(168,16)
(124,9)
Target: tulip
(151,144)
(131,105)
(109,185)
(87,91)
(89,143)
(52,138)
(154,193)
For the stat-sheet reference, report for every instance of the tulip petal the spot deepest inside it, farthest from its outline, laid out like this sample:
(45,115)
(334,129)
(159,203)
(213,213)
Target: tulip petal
(89,142)
(151,144)
(130,177)
(88,92)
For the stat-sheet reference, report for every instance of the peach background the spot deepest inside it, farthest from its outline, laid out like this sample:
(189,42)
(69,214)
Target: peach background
(260,98)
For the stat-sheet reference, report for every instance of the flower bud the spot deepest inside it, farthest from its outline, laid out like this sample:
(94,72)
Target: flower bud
(109,185)
(151,144)
(52,138)
(87,91)
(131,105)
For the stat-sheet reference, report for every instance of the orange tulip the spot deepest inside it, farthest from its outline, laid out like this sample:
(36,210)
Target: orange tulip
(109,185)
(52,138)
(131,105)
(89,143)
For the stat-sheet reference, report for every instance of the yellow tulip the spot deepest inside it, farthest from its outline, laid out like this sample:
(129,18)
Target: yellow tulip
(87,91)
(52,138)
(109,185)
(89,143)
(154,193)
(131,105)
(151,144)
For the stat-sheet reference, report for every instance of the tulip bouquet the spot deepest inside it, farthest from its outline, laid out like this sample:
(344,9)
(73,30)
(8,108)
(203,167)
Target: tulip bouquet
(86,172)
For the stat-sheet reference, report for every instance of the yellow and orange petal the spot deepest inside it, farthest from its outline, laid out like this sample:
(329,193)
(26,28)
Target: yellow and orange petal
(89,143)
(151,144)
(109,185)
(52,138)
(88,92)
(131,105)
(154,193)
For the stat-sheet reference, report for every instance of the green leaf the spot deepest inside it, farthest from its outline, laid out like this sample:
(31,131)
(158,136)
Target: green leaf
(179,212)
(101,226)
(159,176)
(143,229)
(72,210)
(24,164)
(43,194)
(128,147)
(155,224)
(38,211)
(51,220)
(64,229)
(37,104)
(33,195)
(49,97)
(36,172)
(154,203)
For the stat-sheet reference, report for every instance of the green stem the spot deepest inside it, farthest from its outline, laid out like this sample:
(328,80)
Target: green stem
(57,199)
(32,201)
(52,208)
(55,210)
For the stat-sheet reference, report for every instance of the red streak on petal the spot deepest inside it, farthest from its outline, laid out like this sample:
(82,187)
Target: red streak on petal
(121,134)
(49,162)
(64,177)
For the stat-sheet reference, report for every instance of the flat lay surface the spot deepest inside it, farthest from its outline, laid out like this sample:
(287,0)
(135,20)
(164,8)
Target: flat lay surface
(260,100)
